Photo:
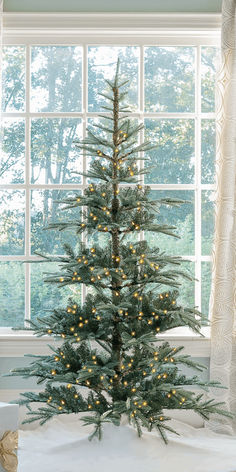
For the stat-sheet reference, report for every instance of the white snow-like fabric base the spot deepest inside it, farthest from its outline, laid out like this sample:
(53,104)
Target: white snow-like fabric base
(62,445)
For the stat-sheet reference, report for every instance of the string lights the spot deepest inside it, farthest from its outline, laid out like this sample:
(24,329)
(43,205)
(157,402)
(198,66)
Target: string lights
(107,345)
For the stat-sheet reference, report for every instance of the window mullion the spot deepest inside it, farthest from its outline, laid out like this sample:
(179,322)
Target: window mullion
(141,104)
(27,186)
(198,179)
(141,116)
(94,114)
(85,110)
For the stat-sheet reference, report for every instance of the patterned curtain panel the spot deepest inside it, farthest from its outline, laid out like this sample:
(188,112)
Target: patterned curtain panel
(223,305)
(1,27)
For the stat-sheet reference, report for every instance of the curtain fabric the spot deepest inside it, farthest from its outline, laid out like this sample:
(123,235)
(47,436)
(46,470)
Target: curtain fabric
(223,296)
(1,28)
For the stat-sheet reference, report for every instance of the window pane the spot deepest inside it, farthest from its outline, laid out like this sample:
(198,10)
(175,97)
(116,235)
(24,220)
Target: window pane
(45,296)
(208,198)
(56,80)
(181,217)
(101,65)
(12,231)
(169,79)
(91,126)
(208,151)
(13,151)
(12,296)
(54,156)
(206,286)
(174,156)
(103,239)
(186,289)
(210,57)
(13,78)
(46,210)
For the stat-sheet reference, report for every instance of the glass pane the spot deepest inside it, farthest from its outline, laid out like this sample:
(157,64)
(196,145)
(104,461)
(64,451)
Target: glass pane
(102,64)
(173,158)
(56,78)
(46,210)
(12,295)
(181,217)
(169,79)
(54,156)
(208,198)
(91,126)
(209,60)
(187,287)
(13,151)
(45,296)
(208,151)
(12,230)
(13,78)
(104,239)
(206,286)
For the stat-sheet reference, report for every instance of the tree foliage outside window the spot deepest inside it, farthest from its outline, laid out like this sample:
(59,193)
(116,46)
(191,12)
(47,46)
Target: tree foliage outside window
(39,161)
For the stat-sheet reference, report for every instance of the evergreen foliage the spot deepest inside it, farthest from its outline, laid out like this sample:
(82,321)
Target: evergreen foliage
(111,362)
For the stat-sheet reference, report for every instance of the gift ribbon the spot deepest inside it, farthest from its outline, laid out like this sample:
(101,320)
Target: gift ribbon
(8,444)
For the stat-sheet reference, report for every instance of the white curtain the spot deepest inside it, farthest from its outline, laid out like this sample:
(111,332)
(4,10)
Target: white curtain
(1,28)
(223,305)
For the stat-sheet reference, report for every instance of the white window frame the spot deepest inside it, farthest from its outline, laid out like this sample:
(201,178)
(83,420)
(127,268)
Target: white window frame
(107,29)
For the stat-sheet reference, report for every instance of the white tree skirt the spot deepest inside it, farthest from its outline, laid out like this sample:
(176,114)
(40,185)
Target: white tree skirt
(62,446)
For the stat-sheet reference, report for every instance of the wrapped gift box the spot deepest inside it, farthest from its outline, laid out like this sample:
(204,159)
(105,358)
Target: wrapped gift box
(8,437)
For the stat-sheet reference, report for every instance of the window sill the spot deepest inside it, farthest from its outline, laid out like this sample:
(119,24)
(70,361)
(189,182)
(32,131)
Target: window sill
(15,344)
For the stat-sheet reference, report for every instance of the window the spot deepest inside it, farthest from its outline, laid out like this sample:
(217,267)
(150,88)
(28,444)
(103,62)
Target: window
(50,96)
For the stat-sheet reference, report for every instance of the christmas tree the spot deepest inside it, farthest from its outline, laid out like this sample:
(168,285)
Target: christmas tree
(110,362)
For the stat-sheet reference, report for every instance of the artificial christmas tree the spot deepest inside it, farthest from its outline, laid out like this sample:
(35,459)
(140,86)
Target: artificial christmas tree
(110,362)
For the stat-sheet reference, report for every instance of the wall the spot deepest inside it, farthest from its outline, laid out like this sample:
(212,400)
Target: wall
(113,6)
(14,383)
